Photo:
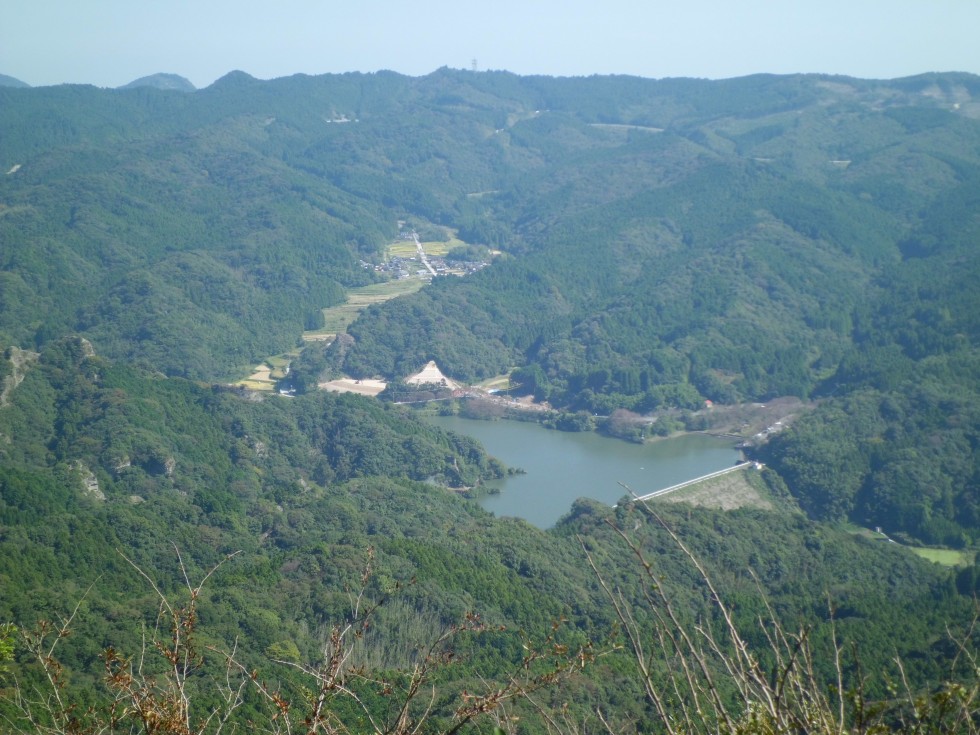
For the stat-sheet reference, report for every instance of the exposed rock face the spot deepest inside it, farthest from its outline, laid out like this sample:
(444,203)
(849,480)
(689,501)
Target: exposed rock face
(90,483)
(20,361)
(86,347)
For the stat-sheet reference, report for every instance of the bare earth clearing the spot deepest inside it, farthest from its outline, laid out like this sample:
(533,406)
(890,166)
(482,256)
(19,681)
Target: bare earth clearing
(754,422)
(349,385)
(431,375)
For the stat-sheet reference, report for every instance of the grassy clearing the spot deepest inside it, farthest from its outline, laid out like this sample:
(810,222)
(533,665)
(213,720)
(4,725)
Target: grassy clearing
(857,530)
(256,384)
(337,318)
(432,248)
(265,376)
(402,249)
(741,489)
(498,382)
(439,249)
(946,557)
(279,363)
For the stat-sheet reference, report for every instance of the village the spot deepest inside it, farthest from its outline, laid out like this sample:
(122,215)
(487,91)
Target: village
(401,265)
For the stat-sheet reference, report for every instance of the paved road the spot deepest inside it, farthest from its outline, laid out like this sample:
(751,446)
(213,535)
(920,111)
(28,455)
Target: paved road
(425,261)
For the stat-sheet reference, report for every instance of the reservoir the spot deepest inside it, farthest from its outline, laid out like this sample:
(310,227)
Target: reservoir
(564,466)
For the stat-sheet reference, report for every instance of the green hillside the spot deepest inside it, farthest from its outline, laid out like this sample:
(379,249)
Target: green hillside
(107,470)
(658,245)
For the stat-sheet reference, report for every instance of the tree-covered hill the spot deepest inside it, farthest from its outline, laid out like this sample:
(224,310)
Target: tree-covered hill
(660,243)
(9,81)
(200,231)
(104,465)
(162,81)
(728,253)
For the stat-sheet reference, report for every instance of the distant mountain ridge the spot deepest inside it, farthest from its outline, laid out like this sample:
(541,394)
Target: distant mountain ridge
(6,81)
(162,81)
(253,163)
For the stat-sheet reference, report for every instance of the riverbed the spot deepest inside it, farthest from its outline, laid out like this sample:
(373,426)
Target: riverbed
(563,466)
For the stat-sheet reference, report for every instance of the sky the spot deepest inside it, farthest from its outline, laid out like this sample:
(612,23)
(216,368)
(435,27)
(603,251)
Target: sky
(109,43)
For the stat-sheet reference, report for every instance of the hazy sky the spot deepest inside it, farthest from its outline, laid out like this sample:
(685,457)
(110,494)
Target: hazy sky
(111,42)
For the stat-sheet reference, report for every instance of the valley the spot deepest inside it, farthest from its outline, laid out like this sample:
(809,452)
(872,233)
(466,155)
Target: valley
(337,318)
(652,271)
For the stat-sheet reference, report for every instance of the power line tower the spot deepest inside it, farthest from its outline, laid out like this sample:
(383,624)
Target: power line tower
(474,65)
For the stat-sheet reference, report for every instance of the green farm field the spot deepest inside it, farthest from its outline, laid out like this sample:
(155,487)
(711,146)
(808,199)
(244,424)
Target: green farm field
(337,318)
(946,557)
(435,249)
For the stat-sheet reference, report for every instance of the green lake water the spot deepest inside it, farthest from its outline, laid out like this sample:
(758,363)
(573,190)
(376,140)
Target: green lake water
(563,466)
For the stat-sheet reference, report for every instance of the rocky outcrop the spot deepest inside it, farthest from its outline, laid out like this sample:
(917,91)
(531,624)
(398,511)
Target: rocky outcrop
(20,360)
(89,482)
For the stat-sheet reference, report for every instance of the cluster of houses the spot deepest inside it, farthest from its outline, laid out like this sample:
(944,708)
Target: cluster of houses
(400,268)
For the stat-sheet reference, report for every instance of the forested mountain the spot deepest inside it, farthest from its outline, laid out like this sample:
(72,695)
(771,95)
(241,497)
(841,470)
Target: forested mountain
(8,81)
(661,226)
(728,252)
(105,468)
(660,244)
(162,81)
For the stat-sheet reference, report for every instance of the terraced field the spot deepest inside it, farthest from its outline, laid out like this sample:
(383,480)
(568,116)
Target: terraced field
(337,318)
